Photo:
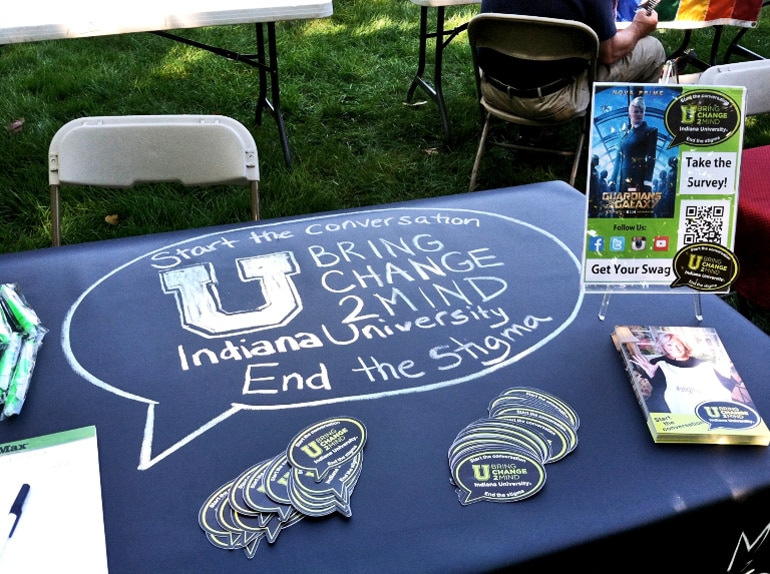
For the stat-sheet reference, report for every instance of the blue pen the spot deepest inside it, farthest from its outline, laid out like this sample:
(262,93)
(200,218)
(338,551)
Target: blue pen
(13,516)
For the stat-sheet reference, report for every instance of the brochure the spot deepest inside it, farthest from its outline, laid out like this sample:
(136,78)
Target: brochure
(663,187)
(688,387)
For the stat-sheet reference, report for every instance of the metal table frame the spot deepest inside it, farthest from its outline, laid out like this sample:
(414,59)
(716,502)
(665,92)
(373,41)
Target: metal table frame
(442,37)
(48,20)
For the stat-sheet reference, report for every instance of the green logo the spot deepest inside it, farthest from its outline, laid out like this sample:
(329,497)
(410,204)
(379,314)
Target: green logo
(702,118)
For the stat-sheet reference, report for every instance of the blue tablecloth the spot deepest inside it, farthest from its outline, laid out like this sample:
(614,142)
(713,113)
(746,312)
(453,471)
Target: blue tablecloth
(200,353)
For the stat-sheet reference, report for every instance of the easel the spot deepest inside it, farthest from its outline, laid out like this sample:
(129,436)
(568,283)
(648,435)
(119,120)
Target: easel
(606,302)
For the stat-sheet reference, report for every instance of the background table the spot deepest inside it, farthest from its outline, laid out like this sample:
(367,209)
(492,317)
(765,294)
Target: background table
(50,20)
(441,36)
(121,356)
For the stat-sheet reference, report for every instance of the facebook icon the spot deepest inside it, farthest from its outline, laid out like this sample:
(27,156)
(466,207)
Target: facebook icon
(596,244)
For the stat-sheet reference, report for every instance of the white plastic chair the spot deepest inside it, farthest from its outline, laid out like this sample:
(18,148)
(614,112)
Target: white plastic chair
(754,74)
(121,151)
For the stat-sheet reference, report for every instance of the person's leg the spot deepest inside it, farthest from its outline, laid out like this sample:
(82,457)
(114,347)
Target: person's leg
(644,64)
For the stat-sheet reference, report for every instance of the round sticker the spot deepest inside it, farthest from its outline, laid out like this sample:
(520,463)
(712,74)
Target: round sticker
(326,445)
(702,118)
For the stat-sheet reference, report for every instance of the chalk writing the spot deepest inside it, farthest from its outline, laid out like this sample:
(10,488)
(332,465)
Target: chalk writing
(323,310)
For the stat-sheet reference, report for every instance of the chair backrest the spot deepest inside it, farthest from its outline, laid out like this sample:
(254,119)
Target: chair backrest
(534,38)
(754,75)
(121,151)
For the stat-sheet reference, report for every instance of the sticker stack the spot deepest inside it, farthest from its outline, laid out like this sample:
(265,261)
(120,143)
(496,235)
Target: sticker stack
(502,458)
(315,476)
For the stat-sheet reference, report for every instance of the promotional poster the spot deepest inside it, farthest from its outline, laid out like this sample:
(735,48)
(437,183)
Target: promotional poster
(663,187)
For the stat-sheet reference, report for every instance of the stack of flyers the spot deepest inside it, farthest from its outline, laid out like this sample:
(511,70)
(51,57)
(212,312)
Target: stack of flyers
(502,458)
(314,476)
(687,386)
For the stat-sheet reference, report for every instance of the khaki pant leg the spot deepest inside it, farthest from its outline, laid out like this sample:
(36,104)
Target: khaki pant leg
(643,64)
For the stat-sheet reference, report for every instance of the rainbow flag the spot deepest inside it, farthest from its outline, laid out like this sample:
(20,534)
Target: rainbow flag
(701,13)
(694,13)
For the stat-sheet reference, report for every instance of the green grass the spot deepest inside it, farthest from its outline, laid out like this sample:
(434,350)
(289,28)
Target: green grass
(343,84)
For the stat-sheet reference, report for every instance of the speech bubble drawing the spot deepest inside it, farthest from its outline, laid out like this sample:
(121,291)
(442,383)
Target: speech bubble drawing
(317,311)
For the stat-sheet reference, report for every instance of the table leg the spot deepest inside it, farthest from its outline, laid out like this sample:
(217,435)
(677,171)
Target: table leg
(267,64)
(442,38)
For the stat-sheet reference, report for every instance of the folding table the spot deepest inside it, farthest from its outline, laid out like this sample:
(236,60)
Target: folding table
(442,37)
(411,318)
(52,20)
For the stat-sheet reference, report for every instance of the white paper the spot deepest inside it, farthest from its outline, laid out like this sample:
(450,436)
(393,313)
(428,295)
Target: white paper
(61,528)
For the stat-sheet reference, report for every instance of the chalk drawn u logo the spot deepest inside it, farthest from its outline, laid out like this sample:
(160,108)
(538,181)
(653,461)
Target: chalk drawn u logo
(200,307)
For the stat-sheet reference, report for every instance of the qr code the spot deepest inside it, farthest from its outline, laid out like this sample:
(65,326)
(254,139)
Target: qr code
(704,222)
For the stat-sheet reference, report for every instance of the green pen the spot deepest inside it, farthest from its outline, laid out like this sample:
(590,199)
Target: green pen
(17,390)
(24,315)
(8,361)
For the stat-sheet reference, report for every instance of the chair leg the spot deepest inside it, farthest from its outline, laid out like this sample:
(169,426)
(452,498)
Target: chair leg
(255,200)
(576,161)
(55,217)
(479,152)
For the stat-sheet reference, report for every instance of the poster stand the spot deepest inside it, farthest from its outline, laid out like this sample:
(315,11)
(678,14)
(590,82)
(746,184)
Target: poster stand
(606,303)
(662,187)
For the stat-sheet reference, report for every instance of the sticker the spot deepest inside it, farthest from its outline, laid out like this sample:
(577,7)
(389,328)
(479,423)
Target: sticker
(276,480)
(327,444)
(560,444)
(502,458)
(545,417)
(236,498)
(542,399)
(702,118)
(502,433)
(256,497)
(705,267)
(331,495)
(277,493)
(498,476)
(207,519)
